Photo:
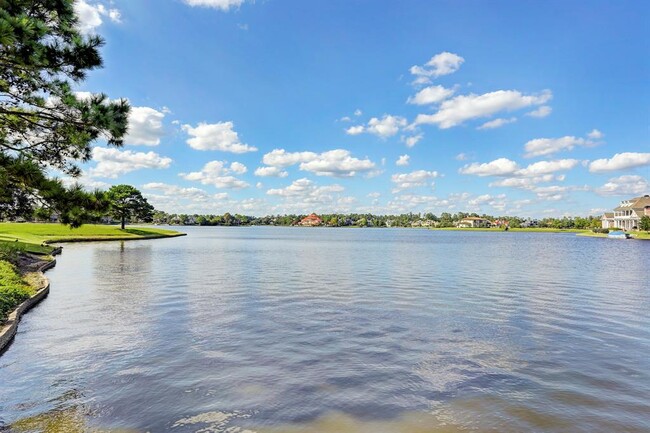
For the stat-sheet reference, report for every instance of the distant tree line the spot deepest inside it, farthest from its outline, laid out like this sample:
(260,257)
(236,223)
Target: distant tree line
(445,219)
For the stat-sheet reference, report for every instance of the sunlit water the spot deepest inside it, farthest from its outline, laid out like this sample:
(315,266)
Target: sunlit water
(267,329)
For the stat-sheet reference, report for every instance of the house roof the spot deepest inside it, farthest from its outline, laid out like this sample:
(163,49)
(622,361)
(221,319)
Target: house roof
(637,204)
(608,215)
(312,217)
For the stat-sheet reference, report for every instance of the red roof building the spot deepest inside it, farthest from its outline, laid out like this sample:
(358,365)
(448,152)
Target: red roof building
(312,220)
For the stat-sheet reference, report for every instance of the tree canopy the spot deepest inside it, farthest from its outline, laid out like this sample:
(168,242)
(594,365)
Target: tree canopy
(44,124)
(127,202)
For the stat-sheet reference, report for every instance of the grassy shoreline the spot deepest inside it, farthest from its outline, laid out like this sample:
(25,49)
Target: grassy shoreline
(23,245)
(36,236)
(644,236)
(525,230)
(14,289)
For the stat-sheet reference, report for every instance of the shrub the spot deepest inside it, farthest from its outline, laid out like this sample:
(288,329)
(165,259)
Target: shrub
(13,289)
(600,230)
(10,251)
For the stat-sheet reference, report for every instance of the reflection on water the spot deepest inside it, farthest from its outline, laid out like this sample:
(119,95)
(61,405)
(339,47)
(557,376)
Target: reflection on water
(295,330)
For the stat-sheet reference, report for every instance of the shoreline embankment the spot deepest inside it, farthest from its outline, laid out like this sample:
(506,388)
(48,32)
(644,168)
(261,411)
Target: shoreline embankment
(9,328)
(37,265)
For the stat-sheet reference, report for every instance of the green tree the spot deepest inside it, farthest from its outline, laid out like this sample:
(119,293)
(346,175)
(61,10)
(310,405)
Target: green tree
(126,202)
(43,123)
(644,223)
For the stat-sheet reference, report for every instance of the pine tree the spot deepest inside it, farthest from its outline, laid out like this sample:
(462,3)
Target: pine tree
(43,123)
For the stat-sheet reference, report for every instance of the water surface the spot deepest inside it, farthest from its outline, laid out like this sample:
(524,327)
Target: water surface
(264,329)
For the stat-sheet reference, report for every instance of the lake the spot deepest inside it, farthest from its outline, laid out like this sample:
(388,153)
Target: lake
(264,329)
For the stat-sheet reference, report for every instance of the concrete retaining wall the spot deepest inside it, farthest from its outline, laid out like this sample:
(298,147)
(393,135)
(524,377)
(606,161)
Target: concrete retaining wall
(8,330)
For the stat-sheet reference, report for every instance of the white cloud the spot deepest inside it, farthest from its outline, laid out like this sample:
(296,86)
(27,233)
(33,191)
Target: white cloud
(216,136)
(497,123)
(541,112)
(444,63)
(355,130)
(238,168)
(218,174)
(620,161)
(282,158)
(358,112)
(546,167)
(498,167)
(194,194)
(81,96)
(595,134)
(270,172)
(412,140)
(551,193)
(523,182)
(145,126)
(461,157)
(387,126)
(414,179)
(113,162)
(430,95)
(90,15)
(547,146)
(337,162)
(87,183)
(305,191)
(224,5)
(403,160)
(374,195)
(497,201)
(507,167)
(457,110)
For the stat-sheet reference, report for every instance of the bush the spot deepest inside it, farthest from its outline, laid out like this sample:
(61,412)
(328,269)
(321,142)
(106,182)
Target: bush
(10,251)
(599,230)
(13,289)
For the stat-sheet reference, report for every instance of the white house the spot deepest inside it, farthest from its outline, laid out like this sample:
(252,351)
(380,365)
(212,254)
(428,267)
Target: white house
(628,214)
(474,222)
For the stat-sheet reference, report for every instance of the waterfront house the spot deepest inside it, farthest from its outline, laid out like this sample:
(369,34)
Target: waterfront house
(529,223)
(312,220)
(628,214)
(474,222)
(608,220)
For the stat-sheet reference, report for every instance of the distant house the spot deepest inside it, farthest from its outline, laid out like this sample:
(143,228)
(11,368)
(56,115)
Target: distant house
(474,222)
(312,220)
(608,220)
(529,223)
(628,214)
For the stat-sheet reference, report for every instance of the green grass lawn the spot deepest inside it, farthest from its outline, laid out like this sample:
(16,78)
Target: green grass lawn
(38,233)
(25,246)
(635,235)
(527,230)
(13,289)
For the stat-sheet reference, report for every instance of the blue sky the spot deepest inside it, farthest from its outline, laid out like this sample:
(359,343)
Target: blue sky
(521,108)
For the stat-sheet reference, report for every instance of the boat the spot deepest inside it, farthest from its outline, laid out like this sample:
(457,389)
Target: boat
(619,234)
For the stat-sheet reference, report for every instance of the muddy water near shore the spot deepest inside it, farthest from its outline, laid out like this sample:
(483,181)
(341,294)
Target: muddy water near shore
(266,329)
